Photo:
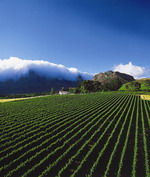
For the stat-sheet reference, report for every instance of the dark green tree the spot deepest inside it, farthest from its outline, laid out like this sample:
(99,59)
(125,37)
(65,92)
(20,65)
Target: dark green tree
(90,86)
(52,91)
(127,86)
(79,80)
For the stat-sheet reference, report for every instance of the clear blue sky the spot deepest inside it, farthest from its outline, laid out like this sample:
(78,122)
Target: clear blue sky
(91,35)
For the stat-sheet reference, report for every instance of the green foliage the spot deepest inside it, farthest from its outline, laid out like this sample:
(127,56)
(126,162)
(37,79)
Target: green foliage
(79,80)
(96,86)
(90,86)
(75,90)
(52,91)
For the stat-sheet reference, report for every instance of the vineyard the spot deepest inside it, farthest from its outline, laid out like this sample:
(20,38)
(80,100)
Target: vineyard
(89,135)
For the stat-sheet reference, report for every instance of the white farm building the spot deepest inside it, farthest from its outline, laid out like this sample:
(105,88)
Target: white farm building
(63,92)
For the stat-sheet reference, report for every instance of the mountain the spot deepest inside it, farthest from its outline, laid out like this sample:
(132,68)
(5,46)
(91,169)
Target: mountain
(112,80)
(32,82)
(35,83)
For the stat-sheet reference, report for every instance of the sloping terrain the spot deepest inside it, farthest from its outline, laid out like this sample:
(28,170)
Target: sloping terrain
(110,75)
(33,83)
(113,80)
(145,85)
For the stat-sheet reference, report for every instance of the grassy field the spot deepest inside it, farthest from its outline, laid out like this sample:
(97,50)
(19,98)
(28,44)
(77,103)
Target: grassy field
(89,135)
(141,81)
(18,99)
(11,99)
(145,97)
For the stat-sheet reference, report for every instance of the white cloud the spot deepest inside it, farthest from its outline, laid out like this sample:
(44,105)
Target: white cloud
(14,68)
(135,71)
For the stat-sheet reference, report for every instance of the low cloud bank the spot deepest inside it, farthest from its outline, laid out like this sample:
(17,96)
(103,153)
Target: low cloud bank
(135,71)
(14,68)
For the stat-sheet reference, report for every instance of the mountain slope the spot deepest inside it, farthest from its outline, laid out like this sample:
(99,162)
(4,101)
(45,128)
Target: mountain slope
(32,83)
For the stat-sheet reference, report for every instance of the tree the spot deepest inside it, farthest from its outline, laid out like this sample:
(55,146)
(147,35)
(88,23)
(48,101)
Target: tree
(127,86)
(75,90)
(82,89)
(90,86)
(52,91)
(79,80)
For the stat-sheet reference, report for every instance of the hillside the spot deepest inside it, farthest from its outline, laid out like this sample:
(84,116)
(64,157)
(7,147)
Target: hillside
(145,85)
(112,80)
(143,79)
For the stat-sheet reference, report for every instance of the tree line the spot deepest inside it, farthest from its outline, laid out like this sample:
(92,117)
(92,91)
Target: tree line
(88,86)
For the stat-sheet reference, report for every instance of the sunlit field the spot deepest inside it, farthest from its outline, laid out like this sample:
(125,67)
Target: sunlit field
(12,99)
(145,97)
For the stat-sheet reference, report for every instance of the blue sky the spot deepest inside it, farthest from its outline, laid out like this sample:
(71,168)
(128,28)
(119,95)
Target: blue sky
(92,36)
